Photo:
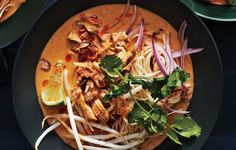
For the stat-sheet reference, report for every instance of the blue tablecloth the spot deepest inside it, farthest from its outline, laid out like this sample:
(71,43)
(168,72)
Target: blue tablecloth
(223,135)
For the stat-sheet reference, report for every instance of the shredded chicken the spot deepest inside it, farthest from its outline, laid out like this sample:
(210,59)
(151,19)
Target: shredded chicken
(122,106)
(100,111)
(91,70)
(120,36)
(91,95)
(85,107)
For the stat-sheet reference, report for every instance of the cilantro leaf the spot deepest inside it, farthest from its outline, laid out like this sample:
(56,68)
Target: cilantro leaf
(112,65)
(155,87)
(135,80)
(186,126)
(117,91)
(183,126)
(173,136)
(162,87)
(150,117)
(137,113)
(177,77)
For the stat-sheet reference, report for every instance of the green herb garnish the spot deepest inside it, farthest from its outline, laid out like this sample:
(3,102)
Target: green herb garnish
(162,87)
(184,126)
(159,87)
(117,91)
(150,117)
(112,65)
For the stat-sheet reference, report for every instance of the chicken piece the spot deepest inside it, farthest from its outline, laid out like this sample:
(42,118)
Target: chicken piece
(122,106)
(120,36)
(100,111)
(76,91)
(91,95)
(124,55)
(87,54)
(91,70)
(99,78)
(106,37)
(88,128)
(106,41)
(86,108)
(120,44)
(89,85)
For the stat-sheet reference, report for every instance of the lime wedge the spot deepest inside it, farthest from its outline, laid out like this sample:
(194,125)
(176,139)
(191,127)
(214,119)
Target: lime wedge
(53,93)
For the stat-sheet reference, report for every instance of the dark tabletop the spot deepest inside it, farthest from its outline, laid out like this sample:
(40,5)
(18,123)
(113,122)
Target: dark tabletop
(222,137)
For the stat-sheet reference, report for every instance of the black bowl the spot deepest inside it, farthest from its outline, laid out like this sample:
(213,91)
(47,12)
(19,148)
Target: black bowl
(207,95)
(15,26)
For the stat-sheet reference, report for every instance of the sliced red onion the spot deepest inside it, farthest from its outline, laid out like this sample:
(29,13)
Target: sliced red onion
(127,8)
(162,67)
(179,111)
(168,51)
(166,57)
(123,13)
(185,88)
(184,42)
(188,51)
(174,111)
(133,19)
(182,31)
(183,52)
(130,34)
(140,36)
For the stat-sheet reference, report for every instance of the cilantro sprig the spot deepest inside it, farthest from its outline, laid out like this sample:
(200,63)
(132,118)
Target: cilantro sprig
(159,87)
(112,65)
(150,116)
(162,87)
(183,126)
(117,91)
(154,120)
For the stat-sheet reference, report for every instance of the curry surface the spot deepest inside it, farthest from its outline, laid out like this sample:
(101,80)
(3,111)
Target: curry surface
(58,48)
